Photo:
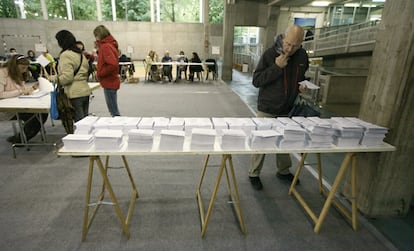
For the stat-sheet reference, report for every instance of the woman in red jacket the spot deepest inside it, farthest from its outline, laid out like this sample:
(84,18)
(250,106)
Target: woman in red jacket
(107,70)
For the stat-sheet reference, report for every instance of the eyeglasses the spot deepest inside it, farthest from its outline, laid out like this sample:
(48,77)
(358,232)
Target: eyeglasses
(293,46)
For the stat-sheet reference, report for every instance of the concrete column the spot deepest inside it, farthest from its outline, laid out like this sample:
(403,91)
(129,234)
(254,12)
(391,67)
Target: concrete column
(228,39)
(206,24)
(271,27)
(386,180)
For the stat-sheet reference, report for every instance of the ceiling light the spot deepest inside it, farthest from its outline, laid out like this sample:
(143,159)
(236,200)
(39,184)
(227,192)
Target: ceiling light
(351,5)
(320,3)
(369,5)
(378,1)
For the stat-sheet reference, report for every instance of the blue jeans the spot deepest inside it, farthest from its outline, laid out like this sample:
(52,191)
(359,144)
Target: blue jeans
(111,102)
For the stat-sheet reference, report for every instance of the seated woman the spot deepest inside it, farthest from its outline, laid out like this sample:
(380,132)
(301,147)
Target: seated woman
(167,69)
(150,68)
(12,84)
(195,68)
(34,68)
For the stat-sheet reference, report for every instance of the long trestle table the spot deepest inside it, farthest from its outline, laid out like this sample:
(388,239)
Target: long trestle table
(227,169)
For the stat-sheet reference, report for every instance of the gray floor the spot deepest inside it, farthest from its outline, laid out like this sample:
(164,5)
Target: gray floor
(43,195)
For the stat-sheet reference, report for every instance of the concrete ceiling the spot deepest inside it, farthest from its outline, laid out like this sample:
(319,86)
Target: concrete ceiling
(299,3)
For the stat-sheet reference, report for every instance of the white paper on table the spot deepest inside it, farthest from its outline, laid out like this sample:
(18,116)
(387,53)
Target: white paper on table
(45,85)
(309,85)
(35,94)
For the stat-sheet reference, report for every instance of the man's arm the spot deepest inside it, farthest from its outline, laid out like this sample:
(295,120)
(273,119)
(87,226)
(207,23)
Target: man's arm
(267,72)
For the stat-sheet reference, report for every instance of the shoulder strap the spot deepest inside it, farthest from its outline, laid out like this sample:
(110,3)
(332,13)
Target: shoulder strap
(76,72)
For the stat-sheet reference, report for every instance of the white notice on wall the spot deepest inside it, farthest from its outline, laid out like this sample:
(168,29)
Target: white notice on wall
(215,50)
(130,49)
(40,48)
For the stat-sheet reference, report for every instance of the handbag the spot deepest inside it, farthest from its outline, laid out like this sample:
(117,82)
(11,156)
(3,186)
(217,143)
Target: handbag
(65,108)
(54,113)
(303,108)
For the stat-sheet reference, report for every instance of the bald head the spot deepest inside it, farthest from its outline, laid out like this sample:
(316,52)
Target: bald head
(293,39)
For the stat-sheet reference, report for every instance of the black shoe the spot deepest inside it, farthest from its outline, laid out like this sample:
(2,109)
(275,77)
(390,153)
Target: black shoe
(288,177)
(256,183)
(14,139)
(11,139)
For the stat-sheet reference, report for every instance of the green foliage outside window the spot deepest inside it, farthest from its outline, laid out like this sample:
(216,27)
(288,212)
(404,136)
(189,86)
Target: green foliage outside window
(126,10)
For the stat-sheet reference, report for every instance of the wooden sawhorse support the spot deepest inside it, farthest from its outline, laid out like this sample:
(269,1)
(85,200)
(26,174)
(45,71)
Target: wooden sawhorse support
(350,158)
(231,186)
(87,219)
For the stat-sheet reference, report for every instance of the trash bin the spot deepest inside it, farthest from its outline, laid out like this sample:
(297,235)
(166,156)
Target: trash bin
(245,67)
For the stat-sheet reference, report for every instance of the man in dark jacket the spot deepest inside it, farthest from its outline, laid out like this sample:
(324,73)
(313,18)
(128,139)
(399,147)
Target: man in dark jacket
(277,75)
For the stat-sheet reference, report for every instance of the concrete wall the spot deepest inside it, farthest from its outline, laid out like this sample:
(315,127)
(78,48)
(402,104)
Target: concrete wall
(141,36)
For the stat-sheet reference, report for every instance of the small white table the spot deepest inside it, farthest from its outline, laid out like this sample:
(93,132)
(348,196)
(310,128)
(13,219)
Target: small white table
(36,106)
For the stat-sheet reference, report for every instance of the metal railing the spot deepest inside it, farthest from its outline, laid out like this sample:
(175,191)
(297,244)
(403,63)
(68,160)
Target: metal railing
(343,39)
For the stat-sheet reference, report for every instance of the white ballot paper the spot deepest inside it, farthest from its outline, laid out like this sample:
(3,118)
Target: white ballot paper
(42,60)
(309,85)
(45,85)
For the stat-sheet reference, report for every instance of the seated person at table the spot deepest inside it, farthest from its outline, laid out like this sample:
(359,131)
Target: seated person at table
(181,68)
(195,68)
(11,53)
(152,69)
(34,68)
(12,84)
(167,69)
(51,67)
(124,68)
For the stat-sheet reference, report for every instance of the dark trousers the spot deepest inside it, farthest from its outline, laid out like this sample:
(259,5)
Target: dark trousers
(31,125)
(81,106)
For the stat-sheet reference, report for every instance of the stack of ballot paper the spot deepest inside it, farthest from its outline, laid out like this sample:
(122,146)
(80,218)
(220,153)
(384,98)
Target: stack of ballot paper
(347,133)
(102,123)
(246,124)
(190,123)
(233,139)
(294,135)
(219,124)
(129,123)
(171,140)
(263,123)
(319,132)
(78,142)
(265,139)
(176,124)
(85,125)
(160,123)
(124,123)
(140,139)
(146,123)
(373,134)
(203,139)
(108,140)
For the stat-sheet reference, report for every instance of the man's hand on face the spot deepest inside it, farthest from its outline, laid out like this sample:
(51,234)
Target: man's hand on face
(282,60)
